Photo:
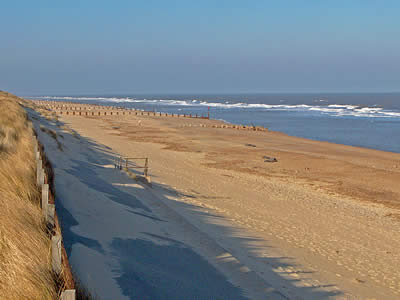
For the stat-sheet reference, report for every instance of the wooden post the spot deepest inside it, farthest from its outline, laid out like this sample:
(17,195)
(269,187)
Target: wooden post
(45,198)
(56,253)
(41,178)
(35,144)
(68,295)
(126,164)
(51,209)
(38,171)
(146,166)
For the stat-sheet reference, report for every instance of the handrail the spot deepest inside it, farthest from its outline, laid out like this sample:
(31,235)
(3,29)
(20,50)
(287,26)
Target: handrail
(124,161)
(134,157)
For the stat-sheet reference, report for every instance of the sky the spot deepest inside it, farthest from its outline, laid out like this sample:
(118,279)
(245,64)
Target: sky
(126,46)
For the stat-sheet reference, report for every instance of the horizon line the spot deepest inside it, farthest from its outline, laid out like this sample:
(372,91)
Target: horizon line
(59,94)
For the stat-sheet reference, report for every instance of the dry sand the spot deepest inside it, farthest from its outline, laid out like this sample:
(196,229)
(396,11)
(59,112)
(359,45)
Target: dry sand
(321,222)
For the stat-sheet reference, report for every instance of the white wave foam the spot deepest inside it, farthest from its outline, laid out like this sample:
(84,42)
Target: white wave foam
(342,106)
(393,114)
(327,110)
(332,109)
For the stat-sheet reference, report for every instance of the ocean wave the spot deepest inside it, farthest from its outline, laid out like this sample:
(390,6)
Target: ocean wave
(332,109)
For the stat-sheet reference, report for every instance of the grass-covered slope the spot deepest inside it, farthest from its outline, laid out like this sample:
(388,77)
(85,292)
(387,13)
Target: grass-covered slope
(25,268)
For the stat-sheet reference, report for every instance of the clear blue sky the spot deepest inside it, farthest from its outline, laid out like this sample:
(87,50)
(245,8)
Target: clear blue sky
(148,46)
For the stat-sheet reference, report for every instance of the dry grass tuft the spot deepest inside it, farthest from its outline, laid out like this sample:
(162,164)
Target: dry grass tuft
(53,134)
(71,131)
(25,268)
(138,178)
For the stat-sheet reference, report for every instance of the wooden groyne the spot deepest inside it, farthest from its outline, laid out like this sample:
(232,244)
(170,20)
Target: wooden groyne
(76,109)
(95,110)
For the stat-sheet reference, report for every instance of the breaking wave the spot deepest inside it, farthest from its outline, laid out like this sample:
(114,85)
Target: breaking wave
(332,109)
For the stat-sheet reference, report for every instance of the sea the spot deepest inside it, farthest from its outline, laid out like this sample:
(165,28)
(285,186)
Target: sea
(370,120)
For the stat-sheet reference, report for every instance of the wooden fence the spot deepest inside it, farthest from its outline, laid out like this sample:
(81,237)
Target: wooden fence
(131,163)
(59,259)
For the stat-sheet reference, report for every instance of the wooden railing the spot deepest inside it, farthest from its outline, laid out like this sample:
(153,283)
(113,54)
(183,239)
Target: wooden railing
(131,163)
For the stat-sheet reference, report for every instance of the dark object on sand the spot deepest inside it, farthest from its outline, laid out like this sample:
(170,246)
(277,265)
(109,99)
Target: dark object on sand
(250,145)
(269,159)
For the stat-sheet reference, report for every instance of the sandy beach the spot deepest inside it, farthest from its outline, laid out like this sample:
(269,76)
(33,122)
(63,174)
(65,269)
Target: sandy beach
(323,221)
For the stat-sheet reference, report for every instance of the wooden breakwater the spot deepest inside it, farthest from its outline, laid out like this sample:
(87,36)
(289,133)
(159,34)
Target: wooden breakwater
(95,110)
(76,109)
(45,184)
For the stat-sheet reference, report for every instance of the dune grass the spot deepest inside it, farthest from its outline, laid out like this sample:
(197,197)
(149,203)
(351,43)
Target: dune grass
(53,134)
(25,268)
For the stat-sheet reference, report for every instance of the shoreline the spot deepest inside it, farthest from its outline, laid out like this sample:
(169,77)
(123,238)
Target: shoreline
(116,106)
(237,128)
